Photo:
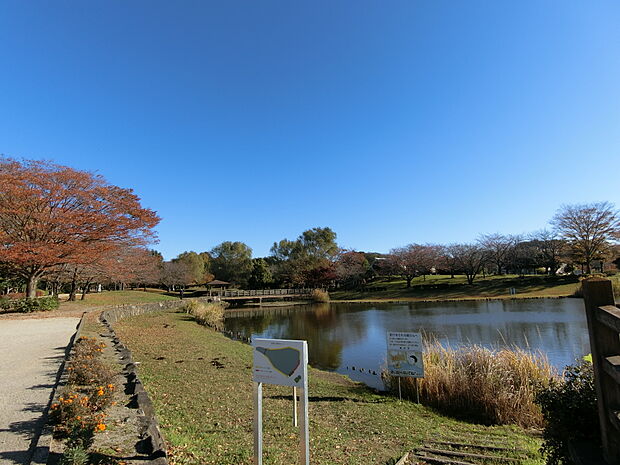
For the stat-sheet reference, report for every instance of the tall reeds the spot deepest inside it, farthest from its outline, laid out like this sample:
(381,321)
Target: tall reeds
(207,313)
(480,384)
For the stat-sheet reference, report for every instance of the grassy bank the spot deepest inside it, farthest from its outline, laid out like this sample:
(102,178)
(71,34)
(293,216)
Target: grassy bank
(201,385)
(443,287)
(114,298)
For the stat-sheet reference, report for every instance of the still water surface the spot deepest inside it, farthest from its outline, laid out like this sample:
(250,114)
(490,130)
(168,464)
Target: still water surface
(351,338)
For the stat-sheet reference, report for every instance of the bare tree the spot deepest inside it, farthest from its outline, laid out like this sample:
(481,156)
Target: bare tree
(497,248)
(468,258)
(551,249)
(413,260)
(590,230)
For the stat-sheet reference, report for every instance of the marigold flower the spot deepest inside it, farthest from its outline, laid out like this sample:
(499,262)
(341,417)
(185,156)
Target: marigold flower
(100,427)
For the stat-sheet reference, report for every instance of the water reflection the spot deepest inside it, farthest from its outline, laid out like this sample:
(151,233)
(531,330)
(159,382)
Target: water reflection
(350,338)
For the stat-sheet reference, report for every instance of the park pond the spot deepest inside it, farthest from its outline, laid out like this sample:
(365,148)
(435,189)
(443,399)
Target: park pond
(350,338)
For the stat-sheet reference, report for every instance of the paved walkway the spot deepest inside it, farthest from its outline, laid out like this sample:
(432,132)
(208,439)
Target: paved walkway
(31,351)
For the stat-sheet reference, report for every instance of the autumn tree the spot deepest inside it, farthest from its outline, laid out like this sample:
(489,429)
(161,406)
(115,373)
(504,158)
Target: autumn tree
(413,260)
(52,215)
(352,267)
(590,229)
(175,275)
(232,261)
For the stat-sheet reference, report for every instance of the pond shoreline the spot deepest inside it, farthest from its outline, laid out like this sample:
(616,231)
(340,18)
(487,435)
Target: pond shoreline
(268,305)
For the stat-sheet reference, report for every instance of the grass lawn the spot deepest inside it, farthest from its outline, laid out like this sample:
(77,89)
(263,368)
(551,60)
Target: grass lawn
(201,385)
(115,298)
(447,288)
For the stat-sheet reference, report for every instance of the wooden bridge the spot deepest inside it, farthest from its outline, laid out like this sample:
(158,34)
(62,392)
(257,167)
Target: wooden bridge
(604,327)
(259,295)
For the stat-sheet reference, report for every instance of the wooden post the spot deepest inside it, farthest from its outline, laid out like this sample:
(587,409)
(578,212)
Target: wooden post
(604,342)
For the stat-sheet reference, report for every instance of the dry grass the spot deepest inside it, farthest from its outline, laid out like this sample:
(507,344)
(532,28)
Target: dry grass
(484,385)
(207,313)
(319,295)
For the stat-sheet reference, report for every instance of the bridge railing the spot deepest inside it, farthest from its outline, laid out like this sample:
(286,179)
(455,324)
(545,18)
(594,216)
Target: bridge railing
(604,330)
(259,292)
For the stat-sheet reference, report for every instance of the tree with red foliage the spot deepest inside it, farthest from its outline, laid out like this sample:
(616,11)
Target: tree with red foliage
(52,215)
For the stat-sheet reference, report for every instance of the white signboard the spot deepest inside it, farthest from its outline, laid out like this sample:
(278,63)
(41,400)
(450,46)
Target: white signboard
(280,361)
(283,362)
(404,354)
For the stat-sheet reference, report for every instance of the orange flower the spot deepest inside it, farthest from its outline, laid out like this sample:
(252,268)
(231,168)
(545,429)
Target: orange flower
(100,427)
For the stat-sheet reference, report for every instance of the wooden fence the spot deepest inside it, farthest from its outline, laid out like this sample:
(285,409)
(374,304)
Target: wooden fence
(604,330)
(258,292)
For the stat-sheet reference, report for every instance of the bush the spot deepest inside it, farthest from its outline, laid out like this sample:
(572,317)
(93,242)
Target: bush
(319,295)
(75,456)
(570,412)
(480,384)
(207,313)
(29,305)
(85,368)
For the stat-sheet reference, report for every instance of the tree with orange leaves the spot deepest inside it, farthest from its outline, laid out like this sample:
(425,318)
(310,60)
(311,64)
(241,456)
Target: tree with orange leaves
(52,215)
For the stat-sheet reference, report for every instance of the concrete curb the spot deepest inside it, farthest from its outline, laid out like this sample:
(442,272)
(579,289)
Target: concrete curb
(41,446)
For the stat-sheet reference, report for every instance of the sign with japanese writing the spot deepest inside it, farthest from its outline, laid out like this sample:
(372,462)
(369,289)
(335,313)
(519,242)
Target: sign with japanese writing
(404,354)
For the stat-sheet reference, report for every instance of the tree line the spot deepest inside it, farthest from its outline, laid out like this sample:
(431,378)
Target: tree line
(67,229)
(581,238)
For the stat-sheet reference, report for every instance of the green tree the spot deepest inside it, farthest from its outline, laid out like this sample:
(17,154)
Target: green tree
(232,261)
(195,265)
(303,260)
(260,276)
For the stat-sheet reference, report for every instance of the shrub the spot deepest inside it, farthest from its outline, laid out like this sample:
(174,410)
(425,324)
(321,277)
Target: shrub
(29,305)
(85,368)
(480,384)
(319,295)
(75,456)
(76,419)
(207,313)
(570,412)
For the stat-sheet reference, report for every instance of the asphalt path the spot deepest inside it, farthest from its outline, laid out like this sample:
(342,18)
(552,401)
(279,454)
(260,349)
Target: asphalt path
(31,352)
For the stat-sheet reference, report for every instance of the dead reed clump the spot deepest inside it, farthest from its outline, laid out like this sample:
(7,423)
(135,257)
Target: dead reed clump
(207,313)
(319,295)
(483,385)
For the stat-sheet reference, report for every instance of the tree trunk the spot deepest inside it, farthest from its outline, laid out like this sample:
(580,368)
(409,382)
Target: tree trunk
(73,291)
(31,287)
(85,290)
(409,281)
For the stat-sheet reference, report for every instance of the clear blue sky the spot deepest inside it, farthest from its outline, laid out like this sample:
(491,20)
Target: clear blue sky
(391,122)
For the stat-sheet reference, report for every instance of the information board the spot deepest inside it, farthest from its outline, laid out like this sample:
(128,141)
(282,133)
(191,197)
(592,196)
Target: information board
(404,354)
(280,361)
(283,362)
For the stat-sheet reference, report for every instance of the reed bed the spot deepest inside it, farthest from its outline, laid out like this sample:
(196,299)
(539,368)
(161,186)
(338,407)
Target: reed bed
(319,296)
(490,386)
(207,313)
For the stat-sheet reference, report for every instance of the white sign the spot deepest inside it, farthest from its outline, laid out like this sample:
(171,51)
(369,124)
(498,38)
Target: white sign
(283,362)
(404,354)
(280,361)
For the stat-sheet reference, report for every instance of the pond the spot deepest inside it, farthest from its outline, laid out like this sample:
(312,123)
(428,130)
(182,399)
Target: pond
(351,338)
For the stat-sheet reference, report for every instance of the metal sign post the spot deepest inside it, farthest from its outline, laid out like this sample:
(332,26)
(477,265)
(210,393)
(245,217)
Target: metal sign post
(282,362)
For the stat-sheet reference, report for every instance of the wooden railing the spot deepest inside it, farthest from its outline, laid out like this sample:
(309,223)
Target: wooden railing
(604,330)
(259,292)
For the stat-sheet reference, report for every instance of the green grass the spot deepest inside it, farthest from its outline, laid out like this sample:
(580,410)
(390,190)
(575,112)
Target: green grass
(457,288)
(116,298)
(206,412)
